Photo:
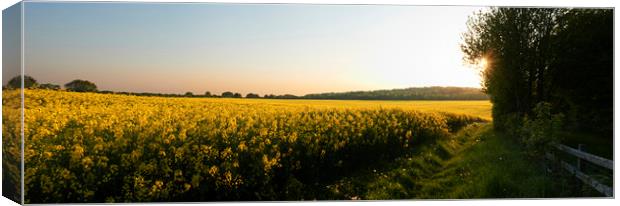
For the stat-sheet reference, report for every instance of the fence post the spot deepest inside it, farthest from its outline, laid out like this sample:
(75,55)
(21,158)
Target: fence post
(577,170)
(580,184)
(580,147)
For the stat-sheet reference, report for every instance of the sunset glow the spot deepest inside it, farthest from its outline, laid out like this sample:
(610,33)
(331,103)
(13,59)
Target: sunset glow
(277,49)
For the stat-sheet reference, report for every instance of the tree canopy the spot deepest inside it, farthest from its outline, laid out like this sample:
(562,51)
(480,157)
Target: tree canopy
(16,82)
(79,85)
(252,95)
(534,55)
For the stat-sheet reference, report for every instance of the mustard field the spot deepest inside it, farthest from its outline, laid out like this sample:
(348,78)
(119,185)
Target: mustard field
(88,147)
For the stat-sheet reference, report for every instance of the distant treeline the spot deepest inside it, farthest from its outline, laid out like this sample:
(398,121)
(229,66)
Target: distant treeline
(414,93)
(419,93)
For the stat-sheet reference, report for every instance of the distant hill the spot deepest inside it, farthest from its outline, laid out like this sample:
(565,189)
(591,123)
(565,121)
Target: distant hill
(413,93)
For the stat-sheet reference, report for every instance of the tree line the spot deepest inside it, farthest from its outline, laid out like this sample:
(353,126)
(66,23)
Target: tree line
(422,93)
(413,93)
(77,85)
(545,66)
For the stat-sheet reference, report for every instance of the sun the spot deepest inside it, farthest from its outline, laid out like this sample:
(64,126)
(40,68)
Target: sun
(483,62)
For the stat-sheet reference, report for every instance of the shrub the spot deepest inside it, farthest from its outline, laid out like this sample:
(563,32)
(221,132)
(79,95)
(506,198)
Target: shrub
(49,86)
(540,130)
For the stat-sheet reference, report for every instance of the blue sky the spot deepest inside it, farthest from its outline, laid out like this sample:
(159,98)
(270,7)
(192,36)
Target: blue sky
(260,48)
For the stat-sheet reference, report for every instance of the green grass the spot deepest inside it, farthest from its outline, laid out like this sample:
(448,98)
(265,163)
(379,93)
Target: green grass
(475,163)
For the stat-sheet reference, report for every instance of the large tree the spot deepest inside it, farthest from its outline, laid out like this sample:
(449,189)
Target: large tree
(252,95)
(16,82)
(79,85)
(541,55)
(228,94)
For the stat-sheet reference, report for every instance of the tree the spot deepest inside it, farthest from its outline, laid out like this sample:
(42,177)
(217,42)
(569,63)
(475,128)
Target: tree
(583,69)
(227,94)
(515,44)
(535,55)
(79,85)
(252,95)
(49,86)
(16,82)
(189,94)
(237,95)
(207,94)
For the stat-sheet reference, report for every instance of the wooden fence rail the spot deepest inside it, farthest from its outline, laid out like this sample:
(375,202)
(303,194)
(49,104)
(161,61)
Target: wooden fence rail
(609,164)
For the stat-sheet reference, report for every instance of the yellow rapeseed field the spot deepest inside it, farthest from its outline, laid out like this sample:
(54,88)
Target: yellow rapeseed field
(477,108)
(87,147)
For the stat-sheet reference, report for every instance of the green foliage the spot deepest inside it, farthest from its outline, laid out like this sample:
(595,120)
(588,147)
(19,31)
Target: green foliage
(541,129)
(49,86)
(227,94)
(561,56)
(583,51)
(252,95)
(477,162)
(458,121)
(16,82)
(515,43)
(509,124)
(79,85)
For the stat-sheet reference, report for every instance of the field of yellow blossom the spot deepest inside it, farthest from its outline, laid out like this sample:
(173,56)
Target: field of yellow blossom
(88,147)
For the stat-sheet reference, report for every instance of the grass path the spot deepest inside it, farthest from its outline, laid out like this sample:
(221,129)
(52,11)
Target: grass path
(475,163)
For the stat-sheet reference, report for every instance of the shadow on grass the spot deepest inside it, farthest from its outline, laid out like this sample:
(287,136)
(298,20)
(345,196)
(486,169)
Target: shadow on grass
(475,163)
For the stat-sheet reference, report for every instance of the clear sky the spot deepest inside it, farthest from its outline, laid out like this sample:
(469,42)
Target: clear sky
(261,48)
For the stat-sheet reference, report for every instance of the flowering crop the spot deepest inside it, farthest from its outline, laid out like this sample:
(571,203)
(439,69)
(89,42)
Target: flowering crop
(86,147)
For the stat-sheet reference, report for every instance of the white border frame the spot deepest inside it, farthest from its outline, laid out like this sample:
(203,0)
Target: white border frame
(519,3)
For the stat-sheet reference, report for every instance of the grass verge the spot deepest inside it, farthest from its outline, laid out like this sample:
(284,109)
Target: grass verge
(475,163)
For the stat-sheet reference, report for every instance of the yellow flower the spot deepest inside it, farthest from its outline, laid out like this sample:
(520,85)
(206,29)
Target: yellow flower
(213,170)
(87,162)
(242,146)
(110,131)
